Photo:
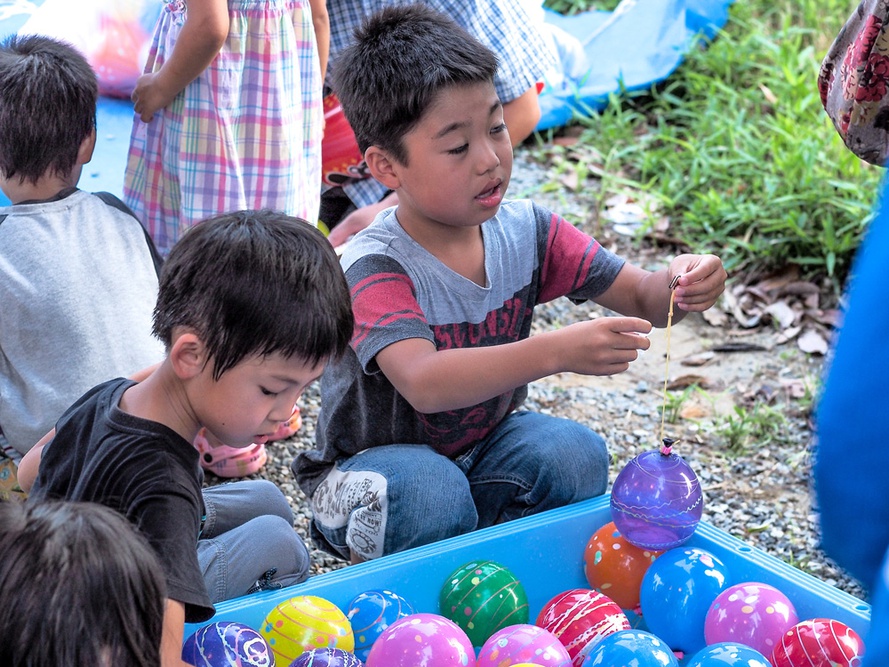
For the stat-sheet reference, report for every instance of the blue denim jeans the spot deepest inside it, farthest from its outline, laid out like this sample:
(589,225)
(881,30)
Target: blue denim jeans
(394,497)
(247,533)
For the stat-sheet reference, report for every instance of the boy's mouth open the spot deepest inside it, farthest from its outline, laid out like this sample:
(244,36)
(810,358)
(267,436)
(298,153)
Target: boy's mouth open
(492,196)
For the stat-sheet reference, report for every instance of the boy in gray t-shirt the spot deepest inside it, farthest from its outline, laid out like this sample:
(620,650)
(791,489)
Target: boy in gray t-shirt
(78,275)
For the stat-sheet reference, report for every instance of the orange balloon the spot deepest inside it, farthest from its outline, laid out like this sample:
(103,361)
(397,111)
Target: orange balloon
(615,567)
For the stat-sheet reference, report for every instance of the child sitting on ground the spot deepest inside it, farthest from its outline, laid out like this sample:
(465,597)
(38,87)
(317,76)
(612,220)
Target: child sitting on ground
(419,435)
(78,274)
(78,586)
(243,341)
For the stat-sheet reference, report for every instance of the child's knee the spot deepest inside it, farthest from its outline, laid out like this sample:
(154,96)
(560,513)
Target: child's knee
(271,500)
(279,546)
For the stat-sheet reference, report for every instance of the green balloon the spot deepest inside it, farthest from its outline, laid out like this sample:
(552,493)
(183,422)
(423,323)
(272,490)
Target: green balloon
(483,597)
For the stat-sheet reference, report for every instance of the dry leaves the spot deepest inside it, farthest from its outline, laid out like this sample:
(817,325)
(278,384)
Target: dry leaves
(783,301)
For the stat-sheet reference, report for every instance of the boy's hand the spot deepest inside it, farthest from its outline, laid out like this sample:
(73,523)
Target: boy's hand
(701,281)
(605,346)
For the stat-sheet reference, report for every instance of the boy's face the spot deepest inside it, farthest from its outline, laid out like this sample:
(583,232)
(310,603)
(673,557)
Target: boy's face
(459,160)
(251,399)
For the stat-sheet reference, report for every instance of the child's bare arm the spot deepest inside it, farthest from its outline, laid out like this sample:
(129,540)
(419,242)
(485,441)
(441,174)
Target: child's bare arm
(435,381)
(203,34)
(639,293)
(321,22)
(173,634)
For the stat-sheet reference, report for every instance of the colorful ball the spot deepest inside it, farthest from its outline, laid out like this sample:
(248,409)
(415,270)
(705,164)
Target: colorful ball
(370,613)
(656,500)
(819,642)
(341,159)
(483,597)
(305,622)
(728,654)
(227,644)
(676,594)
(631,647)
(751,613)
(523,642)
(327,657)
(580,618)
(615,567)
(422,640)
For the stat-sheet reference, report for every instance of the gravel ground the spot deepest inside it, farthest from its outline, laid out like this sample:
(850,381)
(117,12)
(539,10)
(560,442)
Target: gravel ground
(758,493)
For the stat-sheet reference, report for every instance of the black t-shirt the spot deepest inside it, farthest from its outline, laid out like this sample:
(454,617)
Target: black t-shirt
(140,468)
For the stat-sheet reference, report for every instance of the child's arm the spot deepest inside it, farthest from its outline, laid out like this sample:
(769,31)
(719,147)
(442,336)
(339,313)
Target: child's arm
(434,380)
(646,294)
(173,634)
(321,21)
(203,34)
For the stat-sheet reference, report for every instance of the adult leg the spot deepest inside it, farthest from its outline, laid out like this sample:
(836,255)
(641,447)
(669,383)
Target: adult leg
(391,498)
(248,540)
(532,463)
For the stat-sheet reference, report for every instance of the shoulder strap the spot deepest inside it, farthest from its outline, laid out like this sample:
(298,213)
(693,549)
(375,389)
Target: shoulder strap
(114,201)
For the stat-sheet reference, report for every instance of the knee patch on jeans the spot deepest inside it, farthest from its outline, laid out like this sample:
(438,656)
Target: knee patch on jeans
(353,506)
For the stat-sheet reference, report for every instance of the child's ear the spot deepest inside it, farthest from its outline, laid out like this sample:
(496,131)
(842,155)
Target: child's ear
(188,355)
(87,146)
(382,167)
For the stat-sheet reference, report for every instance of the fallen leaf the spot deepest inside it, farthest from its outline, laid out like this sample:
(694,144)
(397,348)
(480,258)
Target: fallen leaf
(694,412)
(812,342)
(686,381)
(738,347)
(698,359)
(783,315)
(787,335)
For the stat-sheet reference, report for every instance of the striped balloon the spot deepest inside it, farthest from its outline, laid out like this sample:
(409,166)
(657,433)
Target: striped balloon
(303,623)
(819,642)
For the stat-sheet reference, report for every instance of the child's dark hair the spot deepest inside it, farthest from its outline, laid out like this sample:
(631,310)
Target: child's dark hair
(255,283)
(48,94)
(78,586)
(402,57)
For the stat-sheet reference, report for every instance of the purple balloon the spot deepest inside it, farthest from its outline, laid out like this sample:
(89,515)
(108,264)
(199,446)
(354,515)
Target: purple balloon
(227,644)
(327,657)
(656,500)
(422,640)
(754,614)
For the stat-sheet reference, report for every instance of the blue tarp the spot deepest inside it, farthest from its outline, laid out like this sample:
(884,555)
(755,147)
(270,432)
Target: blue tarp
(640,43)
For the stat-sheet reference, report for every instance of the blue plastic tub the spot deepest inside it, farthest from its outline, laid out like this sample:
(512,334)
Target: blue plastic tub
(546,553)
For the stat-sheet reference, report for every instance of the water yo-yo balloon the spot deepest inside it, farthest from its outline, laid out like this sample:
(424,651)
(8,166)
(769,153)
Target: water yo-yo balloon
(483,597)
(656,500)
(750,613)
(615,567)
(370,613)
(819,642)
(227,643)
(523,643)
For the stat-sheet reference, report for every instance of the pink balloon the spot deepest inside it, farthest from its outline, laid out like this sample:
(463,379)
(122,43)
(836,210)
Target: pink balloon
(422,640)
(754,614)
(523,643)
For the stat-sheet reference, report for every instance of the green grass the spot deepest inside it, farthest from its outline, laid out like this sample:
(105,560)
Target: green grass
(736,149)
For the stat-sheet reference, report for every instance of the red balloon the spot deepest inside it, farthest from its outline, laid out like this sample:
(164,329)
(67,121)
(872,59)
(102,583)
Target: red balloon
(615,567)
(580,618)
(818,642)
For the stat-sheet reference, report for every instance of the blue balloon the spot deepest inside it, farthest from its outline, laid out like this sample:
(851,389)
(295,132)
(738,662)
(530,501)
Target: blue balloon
(677,591)
(370,613)
(227,643)
(728,654)
(631,647)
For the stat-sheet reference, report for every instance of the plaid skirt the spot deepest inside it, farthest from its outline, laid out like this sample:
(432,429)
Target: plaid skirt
(246,134)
